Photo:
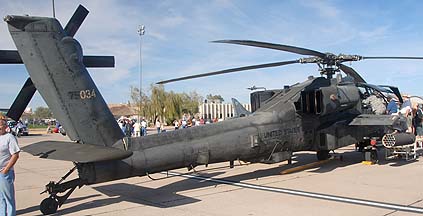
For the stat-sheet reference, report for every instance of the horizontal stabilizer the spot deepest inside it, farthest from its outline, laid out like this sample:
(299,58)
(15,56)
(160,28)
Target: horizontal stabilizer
(69,151)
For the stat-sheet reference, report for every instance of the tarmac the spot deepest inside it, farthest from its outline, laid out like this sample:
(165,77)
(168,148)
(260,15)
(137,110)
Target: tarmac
(346,187)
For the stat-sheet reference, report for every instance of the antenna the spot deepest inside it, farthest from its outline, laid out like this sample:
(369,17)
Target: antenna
(54,10)
(141,32)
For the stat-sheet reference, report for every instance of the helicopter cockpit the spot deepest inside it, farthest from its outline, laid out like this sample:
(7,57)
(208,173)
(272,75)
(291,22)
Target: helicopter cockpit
(375,98)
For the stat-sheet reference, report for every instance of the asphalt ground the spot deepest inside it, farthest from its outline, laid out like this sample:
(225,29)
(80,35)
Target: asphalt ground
(337,187)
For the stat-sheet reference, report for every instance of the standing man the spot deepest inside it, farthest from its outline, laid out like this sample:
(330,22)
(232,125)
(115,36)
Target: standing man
(137,128)
(407,112)
(418,118)
(158,125)
(143,127)
(392,106)
(9,154)
(176,123)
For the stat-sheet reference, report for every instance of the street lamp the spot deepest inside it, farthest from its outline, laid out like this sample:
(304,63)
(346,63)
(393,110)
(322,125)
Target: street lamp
(54,10)
(141,32)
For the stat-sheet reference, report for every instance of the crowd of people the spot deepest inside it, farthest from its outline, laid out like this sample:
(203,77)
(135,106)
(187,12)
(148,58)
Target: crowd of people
(187,121)
(131,127)
(412,113)
(134,128)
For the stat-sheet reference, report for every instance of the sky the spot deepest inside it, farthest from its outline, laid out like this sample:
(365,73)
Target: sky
(178,34)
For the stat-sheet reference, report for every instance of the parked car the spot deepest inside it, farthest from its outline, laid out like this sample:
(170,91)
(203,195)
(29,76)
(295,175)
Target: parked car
(17,128)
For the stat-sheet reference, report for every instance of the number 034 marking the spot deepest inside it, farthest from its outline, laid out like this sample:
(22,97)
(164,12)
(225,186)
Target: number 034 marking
(87,94)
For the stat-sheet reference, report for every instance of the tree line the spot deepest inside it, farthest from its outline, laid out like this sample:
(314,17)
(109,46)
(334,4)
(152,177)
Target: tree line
(157,103)
(163,105)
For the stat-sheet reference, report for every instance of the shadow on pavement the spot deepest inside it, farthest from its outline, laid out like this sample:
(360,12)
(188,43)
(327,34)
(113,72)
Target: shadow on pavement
(35,210)
(167,196)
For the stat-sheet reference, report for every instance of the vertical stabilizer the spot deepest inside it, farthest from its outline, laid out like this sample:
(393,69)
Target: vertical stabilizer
(54,62)
(239,110)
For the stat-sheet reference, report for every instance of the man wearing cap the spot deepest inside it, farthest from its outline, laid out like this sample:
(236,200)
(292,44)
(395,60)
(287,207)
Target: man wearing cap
(419,121)
(392,106)
(9,154)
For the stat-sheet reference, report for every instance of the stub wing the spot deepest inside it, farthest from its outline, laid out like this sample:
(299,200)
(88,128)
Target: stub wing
(369,120)
(69,151)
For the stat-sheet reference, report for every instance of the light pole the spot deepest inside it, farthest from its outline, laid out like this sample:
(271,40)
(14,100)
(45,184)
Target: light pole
(54,10)
(141,32)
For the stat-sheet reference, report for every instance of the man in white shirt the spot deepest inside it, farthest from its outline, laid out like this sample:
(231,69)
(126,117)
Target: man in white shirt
(143,127)
(407,112)
(9,154)
(137,129)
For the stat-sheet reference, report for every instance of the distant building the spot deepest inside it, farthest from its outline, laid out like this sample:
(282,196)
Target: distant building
(218,110)
(28,110)
(125,110)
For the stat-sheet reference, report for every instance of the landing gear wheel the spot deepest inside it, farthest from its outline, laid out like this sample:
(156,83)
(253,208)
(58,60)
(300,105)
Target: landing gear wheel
(49,206)
(322,155)
(373,156)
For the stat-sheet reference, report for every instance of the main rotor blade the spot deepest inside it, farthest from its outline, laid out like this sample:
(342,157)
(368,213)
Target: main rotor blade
(393,57)
(287,48)
(251,67)
(351,72)
(22,100)
(76,20)
(10,57)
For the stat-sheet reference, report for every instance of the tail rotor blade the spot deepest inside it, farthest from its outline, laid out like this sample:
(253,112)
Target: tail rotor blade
(22,100)
(99,61)
(13,57)
(76,20)
(275,64)
(10,57)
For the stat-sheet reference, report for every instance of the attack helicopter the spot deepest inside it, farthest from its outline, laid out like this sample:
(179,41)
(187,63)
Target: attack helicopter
(319,114)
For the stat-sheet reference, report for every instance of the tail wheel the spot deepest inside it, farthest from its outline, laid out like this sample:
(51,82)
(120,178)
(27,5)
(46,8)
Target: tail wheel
(49,206)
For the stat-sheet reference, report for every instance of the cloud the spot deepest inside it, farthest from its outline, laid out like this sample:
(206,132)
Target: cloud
(323,8)
(376,33)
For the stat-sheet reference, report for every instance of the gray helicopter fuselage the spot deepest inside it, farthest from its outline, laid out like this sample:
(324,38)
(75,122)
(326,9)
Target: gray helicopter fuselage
(301,118)
(269,135)
(319,114)
(249,138)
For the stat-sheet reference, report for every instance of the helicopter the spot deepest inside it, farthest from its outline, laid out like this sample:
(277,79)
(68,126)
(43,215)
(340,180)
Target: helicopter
(320,114)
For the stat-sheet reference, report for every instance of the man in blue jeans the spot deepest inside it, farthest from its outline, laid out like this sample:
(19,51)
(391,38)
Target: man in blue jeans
(9,154)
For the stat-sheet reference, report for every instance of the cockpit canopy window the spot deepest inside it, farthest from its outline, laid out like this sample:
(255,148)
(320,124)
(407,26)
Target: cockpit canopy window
(381,91)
